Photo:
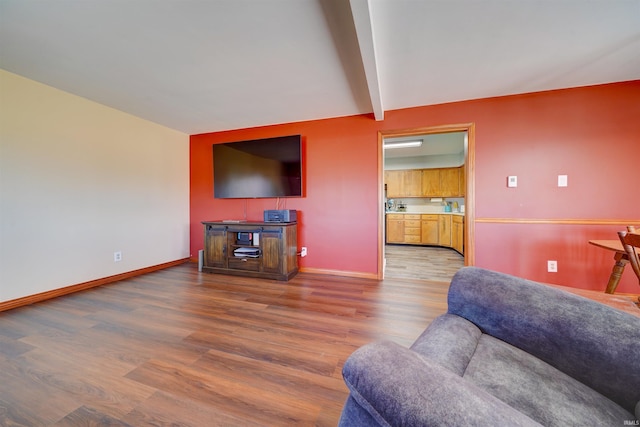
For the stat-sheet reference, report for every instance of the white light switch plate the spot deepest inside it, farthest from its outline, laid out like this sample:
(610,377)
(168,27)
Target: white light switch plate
(512,181)
(563,180)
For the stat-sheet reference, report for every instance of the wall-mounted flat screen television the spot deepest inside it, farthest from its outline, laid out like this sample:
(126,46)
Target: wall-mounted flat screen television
(270,167)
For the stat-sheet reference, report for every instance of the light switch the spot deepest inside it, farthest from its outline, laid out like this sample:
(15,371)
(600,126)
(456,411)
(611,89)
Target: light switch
(512,181)
(563,180)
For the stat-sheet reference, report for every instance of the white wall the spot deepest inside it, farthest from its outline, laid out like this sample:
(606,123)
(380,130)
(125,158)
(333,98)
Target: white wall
(424,162)
(78,181)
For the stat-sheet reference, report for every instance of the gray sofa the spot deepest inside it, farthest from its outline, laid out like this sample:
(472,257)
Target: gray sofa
(509,352)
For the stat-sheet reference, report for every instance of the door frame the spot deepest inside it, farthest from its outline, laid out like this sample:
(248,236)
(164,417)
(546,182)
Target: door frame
(469,171)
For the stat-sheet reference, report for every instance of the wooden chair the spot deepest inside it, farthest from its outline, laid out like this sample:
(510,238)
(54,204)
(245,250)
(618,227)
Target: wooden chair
(631,243)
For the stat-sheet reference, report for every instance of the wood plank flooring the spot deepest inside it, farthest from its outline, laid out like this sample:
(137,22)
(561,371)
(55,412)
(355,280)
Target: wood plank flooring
(179,347)
(422,262)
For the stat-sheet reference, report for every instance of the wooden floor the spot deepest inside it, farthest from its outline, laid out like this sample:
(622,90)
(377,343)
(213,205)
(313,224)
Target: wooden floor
(178,347)
(422,262)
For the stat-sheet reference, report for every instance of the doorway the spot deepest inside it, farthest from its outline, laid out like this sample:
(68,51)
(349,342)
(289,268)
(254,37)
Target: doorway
(468,167)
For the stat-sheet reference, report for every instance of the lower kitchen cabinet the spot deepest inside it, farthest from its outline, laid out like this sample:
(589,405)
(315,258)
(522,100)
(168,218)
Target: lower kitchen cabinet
(444,230)
(457,233)
(426,229)
(412,229)
(429,229)
(403,228)
(395,228)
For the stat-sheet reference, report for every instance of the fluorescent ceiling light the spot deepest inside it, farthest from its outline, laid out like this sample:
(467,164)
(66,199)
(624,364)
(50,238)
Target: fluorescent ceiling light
(403,144)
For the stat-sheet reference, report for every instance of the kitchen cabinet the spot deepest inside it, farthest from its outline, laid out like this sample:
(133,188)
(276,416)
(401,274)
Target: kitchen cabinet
(429,229)
(449,182)
(438,182)
(395,228)
(393,183)
(412,229)
(431,183)
(403,228)
(444,230)
(403,183)
(442,182)
(412,183)
(457,233)
(463,182)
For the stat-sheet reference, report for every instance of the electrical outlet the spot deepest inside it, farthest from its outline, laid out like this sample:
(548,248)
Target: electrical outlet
(552,266)
(117,256)
(303,251)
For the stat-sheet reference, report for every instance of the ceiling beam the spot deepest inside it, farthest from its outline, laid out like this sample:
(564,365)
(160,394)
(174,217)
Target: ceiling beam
(361,12)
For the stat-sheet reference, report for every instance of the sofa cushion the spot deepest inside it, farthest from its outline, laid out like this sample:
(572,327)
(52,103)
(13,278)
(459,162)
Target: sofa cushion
(537,389)
(450,341)
(397,386)
(593,343)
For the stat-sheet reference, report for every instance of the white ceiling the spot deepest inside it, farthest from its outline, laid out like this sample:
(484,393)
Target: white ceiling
(201,66)
(435,144)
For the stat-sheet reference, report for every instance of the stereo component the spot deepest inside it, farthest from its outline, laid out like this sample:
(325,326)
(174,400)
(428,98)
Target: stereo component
(280,215)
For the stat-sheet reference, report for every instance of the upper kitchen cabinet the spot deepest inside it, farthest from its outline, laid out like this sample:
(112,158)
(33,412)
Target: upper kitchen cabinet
(443,182)
(403,183)
(431,182)
(452,182)
(449,182)
(462,189)
(393,183)
(440,182)
(412,183)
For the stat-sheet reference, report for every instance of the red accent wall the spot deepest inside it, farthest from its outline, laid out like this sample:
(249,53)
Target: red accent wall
(590,134)
(337,216)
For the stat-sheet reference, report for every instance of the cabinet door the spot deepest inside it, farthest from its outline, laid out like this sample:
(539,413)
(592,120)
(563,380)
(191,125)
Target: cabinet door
(429,230)
(290,241)
(444,230)
(394,182)
(431,183)
(463,182)
(272,251)
(457,234)
(395,230)
(215,246)
(403,183)
(412,183)
(449,182)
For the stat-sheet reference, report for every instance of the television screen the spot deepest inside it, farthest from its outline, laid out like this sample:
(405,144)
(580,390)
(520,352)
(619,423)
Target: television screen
(270,167)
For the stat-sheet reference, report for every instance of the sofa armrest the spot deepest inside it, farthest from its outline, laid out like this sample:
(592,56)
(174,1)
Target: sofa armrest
(397,386)
(594,343)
